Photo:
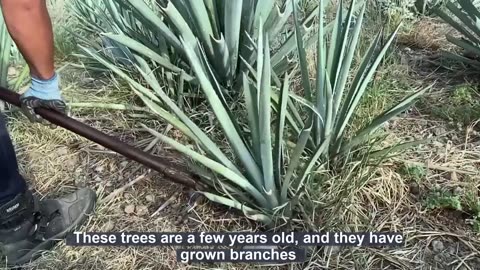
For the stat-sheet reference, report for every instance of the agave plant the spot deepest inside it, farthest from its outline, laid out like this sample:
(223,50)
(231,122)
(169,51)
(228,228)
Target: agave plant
(224,29)
(464,16)
(333,100)
(264,177)
(6,46)
(9,54)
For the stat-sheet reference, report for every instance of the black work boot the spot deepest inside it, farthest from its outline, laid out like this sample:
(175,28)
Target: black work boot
(29,226)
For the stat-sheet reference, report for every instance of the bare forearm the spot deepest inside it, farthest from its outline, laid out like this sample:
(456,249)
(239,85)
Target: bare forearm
(31,28)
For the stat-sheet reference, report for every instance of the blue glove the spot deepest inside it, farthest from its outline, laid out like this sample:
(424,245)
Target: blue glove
(42,94)
(45,89)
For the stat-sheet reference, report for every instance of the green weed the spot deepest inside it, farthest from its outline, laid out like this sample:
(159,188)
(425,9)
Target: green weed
(443,200)
(467,202)
(416,173)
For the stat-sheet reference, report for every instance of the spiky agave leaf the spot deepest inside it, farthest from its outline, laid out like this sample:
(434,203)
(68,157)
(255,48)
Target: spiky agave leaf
(335,99)
(464,16)
(223,29)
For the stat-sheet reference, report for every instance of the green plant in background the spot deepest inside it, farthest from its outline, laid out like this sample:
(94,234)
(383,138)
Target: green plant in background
(278,147)
(9,55)
(472,204)
(334,100)
(64,23)
(464,16)
(427,6)
(155,30)
(464,94)
(399,10)
(6,50)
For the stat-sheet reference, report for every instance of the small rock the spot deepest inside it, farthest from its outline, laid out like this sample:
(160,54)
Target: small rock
(62,151)
(176,206)
(130,209)
(71,162)
(124,164)
(458,191)
(142,210)
(438,144)
(414,188)
(150,198)
(108,226)
(438,246)
(386,126)
(97,179)
(454,177)
(79,181)
(469,221)
(78,171)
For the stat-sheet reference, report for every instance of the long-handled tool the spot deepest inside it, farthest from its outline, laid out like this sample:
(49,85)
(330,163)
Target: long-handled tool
(167,168)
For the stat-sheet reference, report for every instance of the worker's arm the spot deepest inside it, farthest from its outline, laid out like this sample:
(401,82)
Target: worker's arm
(29,25)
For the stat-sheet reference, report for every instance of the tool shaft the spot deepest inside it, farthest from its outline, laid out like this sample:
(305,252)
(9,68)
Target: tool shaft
(156,163)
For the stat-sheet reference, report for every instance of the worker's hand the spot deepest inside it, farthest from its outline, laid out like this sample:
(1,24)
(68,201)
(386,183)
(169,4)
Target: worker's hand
(44,94)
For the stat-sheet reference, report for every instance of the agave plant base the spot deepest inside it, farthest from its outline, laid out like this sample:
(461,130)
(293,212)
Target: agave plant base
(250,168)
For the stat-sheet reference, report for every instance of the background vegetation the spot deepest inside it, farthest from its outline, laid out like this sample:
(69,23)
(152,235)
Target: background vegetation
(427,191)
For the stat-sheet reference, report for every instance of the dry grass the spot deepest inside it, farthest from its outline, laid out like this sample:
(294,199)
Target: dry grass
(428,34)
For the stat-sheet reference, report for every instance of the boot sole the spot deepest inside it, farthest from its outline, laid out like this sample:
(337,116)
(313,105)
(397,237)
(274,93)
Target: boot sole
(49,243)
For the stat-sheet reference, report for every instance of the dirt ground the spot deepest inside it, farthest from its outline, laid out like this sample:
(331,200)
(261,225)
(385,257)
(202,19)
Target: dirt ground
(57,162)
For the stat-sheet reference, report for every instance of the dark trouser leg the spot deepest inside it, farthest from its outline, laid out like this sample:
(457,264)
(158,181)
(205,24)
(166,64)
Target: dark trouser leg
(11,182)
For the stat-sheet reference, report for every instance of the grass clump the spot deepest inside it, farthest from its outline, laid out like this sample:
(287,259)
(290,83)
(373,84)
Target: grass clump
(461,106)
(440,199)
